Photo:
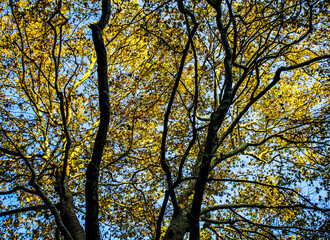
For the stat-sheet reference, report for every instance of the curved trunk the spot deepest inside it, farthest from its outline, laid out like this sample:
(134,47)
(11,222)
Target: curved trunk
(93,168)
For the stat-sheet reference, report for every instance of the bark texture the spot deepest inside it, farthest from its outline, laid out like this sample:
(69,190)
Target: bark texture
(178,228)
(66,208)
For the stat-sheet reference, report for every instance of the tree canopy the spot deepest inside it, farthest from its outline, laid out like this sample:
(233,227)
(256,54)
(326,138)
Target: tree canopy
(164,119)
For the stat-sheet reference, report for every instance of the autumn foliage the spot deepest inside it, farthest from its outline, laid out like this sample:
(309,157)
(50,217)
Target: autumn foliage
(164,119)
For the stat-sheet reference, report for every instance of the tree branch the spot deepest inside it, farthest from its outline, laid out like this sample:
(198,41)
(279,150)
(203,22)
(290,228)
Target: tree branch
(22,210)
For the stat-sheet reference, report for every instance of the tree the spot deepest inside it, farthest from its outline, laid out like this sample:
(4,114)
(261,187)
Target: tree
(164,119)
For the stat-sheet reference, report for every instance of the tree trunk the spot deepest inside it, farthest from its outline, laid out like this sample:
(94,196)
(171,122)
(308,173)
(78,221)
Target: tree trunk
(93,168)
(178,227)
(66,208)
(70,219)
